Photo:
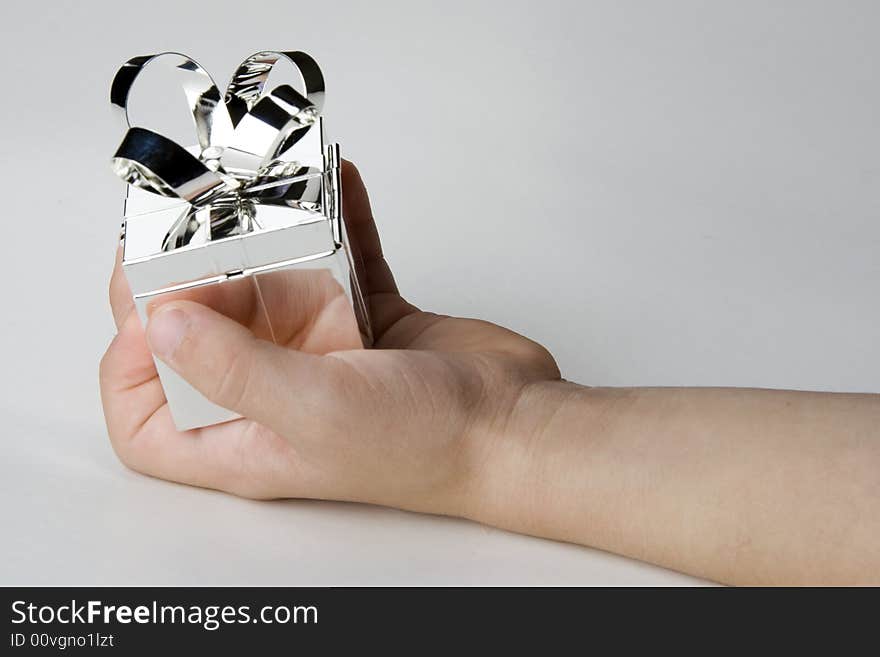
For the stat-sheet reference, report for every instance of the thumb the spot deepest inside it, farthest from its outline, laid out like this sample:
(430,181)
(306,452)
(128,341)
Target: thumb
(225,362)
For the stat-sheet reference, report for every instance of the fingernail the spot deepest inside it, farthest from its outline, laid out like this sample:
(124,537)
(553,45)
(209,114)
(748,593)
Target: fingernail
(165,331)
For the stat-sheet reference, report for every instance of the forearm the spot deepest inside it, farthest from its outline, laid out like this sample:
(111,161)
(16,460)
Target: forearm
(735,485)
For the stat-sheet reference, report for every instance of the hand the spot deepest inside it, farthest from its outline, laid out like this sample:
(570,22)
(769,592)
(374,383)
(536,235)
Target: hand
(462,417)
(411,422)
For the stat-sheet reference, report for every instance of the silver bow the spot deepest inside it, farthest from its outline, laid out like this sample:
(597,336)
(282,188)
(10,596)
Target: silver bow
(239,160)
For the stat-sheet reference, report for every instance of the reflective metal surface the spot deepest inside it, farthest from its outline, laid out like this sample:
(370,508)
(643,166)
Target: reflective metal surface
(258,193)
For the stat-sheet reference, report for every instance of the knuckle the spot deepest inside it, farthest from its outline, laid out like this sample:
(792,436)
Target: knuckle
(117,291)
(231,385)
(104,365)
(123,449)
(113,287)
(124,455)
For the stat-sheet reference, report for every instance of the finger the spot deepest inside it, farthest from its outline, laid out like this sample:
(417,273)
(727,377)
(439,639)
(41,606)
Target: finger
(224,456)
(385,305)
(144,437)
(121,302)
(130,388)
(225,362)
(363,232)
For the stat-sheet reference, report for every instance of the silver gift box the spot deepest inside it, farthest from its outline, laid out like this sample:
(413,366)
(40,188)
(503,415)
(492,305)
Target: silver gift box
(248,221)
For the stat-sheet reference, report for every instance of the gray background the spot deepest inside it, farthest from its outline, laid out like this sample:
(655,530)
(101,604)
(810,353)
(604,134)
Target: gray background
(676,193)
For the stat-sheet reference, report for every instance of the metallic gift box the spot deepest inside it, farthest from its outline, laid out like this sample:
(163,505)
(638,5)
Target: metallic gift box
(248,221)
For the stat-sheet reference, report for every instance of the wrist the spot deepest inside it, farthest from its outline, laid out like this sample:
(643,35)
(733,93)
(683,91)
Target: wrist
(550,469)
(517,458)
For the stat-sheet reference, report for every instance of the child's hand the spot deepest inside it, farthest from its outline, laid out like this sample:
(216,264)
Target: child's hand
(462,417)
(409,423)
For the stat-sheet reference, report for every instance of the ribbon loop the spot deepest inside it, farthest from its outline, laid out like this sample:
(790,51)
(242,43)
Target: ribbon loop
(246,87)
(238,162)
(201,93)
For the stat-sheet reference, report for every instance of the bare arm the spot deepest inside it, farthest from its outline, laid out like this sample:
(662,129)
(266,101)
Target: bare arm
(735,485)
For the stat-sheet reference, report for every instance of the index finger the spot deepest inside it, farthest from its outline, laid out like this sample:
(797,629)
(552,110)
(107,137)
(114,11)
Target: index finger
(121,302)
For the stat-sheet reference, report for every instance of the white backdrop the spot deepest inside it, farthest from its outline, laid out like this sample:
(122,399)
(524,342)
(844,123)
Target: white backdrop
(677,193)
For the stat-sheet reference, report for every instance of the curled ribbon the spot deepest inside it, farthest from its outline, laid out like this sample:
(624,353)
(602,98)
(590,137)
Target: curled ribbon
(242,140)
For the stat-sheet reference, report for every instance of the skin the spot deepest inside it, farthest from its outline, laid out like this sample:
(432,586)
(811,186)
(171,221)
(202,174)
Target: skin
(461,417)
